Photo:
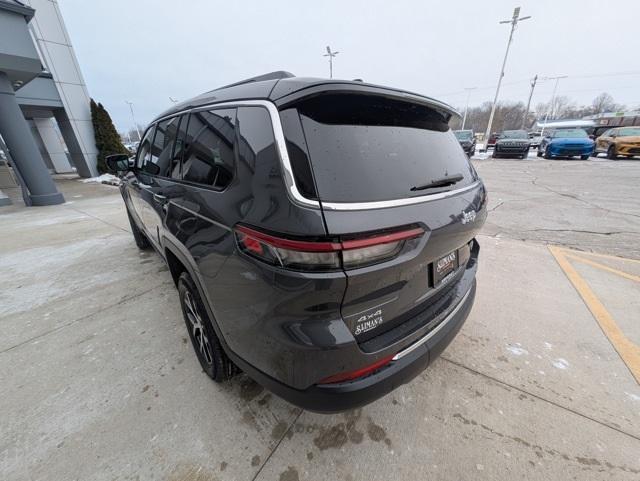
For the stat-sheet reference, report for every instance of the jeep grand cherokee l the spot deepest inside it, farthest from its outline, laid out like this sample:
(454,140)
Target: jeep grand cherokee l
(321,233)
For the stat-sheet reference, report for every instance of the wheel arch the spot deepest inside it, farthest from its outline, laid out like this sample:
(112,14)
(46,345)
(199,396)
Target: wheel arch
(178,263)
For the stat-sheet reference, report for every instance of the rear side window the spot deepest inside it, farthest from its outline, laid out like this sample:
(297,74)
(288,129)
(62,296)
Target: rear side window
(367,148)
(209,148)
(162,162)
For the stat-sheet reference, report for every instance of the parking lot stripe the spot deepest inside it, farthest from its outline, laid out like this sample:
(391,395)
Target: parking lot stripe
(597,265)
(603,256)
(628,351)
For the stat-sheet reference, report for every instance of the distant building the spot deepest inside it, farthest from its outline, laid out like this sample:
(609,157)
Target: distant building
(45,119)
(609,120)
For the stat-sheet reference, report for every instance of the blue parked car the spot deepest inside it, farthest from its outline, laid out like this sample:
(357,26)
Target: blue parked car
(566,143)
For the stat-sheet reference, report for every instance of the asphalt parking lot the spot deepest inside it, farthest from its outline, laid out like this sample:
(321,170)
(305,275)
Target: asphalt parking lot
(99,381)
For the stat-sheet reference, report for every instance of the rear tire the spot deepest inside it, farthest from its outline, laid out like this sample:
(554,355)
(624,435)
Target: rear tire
(206,344)
(584,157)
(141,240)
(547,153)
(611,153)
(538,153)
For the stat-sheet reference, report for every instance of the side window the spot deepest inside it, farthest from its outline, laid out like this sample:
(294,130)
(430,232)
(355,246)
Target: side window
(144,150)
(256,134)
(209,149)
(162,161)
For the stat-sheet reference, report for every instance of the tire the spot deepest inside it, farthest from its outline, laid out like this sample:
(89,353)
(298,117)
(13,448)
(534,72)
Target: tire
(538,153)
(141,240)
(547,153)
(584,157)
(611,153)
(594,154)
(209,351)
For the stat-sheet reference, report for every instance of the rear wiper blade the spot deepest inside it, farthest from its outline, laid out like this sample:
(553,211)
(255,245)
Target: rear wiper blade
(444,182)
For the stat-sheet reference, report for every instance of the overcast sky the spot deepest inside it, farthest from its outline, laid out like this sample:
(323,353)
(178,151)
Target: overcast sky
(145,51)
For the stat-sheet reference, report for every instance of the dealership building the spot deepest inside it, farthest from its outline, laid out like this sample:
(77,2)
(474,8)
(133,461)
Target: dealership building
(45,117)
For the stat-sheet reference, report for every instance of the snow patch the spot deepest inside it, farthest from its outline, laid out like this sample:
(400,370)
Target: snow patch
(517,350)
(633,397)
(560,363)
(108,179)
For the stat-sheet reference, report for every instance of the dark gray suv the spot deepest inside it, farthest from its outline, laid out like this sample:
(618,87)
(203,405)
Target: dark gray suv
(321,233)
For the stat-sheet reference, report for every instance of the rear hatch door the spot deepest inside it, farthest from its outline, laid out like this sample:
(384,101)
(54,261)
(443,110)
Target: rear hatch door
(385,165)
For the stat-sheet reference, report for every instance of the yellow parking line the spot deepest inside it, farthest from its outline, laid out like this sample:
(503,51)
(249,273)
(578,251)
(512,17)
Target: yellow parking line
(604,256)
(603,267)
(628,351)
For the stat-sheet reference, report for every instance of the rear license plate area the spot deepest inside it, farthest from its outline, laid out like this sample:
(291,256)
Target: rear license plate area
(444,267)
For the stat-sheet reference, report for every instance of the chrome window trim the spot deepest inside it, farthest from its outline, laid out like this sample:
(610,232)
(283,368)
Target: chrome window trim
(281,144)
(434,331)
(289,180)
(384,204)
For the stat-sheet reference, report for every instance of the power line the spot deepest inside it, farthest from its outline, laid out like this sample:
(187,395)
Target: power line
(516,82)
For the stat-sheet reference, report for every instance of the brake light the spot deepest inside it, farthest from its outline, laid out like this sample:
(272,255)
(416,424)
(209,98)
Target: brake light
(323,254)
(358,373)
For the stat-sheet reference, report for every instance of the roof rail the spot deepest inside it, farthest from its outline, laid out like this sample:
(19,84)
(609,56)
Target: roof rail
(279,74)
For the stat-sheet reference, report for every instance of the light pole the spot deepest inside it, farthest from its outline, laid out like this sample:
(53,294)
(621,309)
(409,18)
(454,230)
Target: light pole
(466,106)
(534,80)
(553,99)
(514,22)
(134,119)
(330,54)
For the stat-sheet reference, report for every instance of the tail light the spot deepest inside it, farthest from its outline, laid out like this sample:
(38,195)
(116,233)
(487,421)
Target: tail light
(323,254)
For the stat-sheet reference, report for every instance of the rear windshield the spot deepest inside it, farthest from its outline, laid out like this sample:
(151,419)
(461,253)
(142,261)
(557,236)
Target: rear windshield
(369,148)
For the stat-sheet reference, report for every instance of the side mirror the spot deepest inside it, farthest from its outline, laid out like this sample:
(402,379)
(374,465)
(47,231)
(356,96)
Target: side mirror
(613,136)
(117,163)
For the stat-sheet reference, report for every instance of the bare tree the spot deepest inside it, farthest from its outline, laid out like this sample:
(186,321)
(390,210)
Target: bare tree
(605,103)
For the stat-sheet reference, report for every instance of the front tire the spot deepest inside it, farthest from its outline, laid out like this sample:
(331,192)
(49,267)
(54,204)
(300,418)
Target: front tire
(206,344)
(611,153)
(547,154)
(140,239)
(584,157)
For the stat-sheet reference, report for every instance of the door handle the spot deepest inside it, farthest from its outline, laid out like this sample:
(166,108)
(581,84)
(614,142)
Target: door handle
(160,199)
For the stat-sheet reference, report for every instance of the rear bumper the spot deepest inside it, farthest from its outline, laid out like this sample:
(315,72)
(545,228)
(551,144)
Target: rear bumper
(406,365)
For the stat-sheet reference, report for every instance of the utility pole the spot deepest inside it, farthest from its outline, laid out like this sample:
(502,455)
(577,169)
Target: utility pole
(134,120)
(526,112)
(330,54)
(514,23)
(553,99)
(466,107)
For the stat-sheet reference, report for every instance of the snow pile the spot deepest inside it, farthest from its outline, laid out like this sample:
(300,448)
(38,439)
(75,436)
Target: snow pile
(108,179)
